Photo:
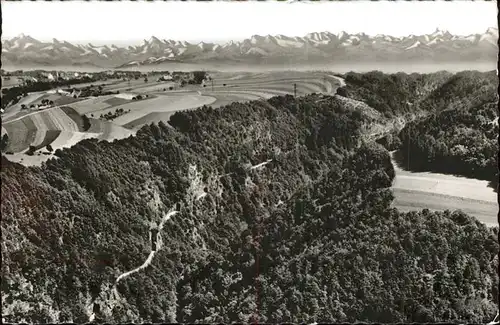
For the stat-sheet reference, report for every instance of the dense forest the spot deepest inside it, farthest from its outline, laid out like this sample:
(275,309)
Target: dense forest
(395,94)
(458,129)
(461,136)
(284,215)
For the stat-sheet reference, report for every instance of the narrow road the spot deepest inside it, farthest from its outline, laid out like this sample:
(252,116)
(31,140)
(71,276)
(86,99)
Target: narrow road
(340,80)
(148,261)
(261,164)
(31,113)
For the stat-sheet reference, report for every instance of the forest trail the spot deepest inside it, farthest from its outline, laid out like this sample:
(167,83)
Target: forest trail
(261,164)
(165,218)
(340,80)
(148,261)
(112,293)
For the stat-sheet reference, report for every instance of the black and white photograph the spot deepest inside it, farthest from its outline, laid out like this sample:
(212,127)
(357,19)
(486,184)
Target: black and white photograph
(249,162)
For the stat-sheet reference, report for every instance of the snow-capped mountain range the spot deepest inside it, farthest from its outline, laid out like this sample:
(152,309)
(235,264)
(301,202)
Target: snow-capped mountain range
(324,47)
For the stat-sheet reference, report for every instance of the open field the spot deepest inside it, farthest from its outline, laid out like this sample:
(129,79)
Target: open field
(97,105)
(12,82)
(91,104)
(161,104)
(14,110)
(21,134)
(238,87)
(31,128)
(155,87)
(109,131)
(68,139)
(50,137)
(407,200)
(59,127)
(35,160)
(440,192)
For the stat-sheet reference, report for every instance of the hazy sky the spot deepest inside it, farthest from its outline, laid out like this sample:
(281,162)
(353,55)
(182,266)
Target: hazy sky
(131,22)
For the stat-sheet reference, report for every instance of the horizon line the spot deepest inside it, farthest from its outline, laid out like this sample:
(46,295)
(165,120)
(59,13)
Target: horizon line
(227,40)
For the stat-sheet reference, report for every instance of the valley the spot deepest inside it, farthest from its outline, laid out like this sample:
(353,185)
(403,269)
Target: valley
(297,188)
(63,128)
(231,162)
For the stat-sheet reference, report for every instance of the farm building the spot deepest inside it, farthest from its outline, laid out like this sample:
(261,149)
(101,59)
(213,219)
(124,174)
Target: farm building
(165,78)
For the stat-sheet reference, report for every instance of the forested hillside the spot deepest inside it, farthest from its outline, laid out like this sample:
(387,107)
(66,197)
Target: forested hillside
(284,215)
(457,128)
(395,94)
(461,136)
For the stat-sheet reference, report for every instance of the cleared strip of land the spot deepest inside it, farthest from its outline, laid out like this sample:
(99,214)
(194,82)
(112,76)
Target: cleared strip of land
(161,104)
(407,200)
(40,127)
(435,191)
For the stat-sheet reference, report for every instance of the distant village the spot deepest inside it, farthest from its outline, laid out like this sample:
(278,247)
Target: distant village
(19,83)
(20,77)
(23,77)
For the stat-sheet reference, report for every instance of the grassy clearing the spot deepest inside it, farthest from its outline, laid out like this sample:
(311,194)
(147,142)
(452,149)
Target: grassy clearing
(96,126)
(91,105)
(115,101)
(68,139)
(439,192)
(154,117)
(21,134)
(161,104)
(73,114)
(113,132)
(50,137)
(443,184)
(409,200)
(48,122)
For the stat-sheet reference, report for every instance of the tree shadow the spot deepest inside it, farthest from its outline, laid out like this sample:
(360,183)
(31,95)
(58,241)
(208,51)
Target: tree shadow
(400,157)
(494,184)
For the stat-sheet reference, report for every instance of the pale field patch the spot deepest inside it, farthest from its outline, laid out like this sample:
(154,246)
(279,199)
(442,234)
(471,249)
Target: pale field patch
(12,111)
(41,128)
(160,104)
(35,160)
(240,87)
(91,105)
(435,191)
(67,139)
(127,96)
(61,120)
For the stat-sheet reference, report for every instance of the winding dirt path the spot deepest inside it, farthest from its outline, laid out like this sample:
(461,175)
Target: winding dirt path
(148,261)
